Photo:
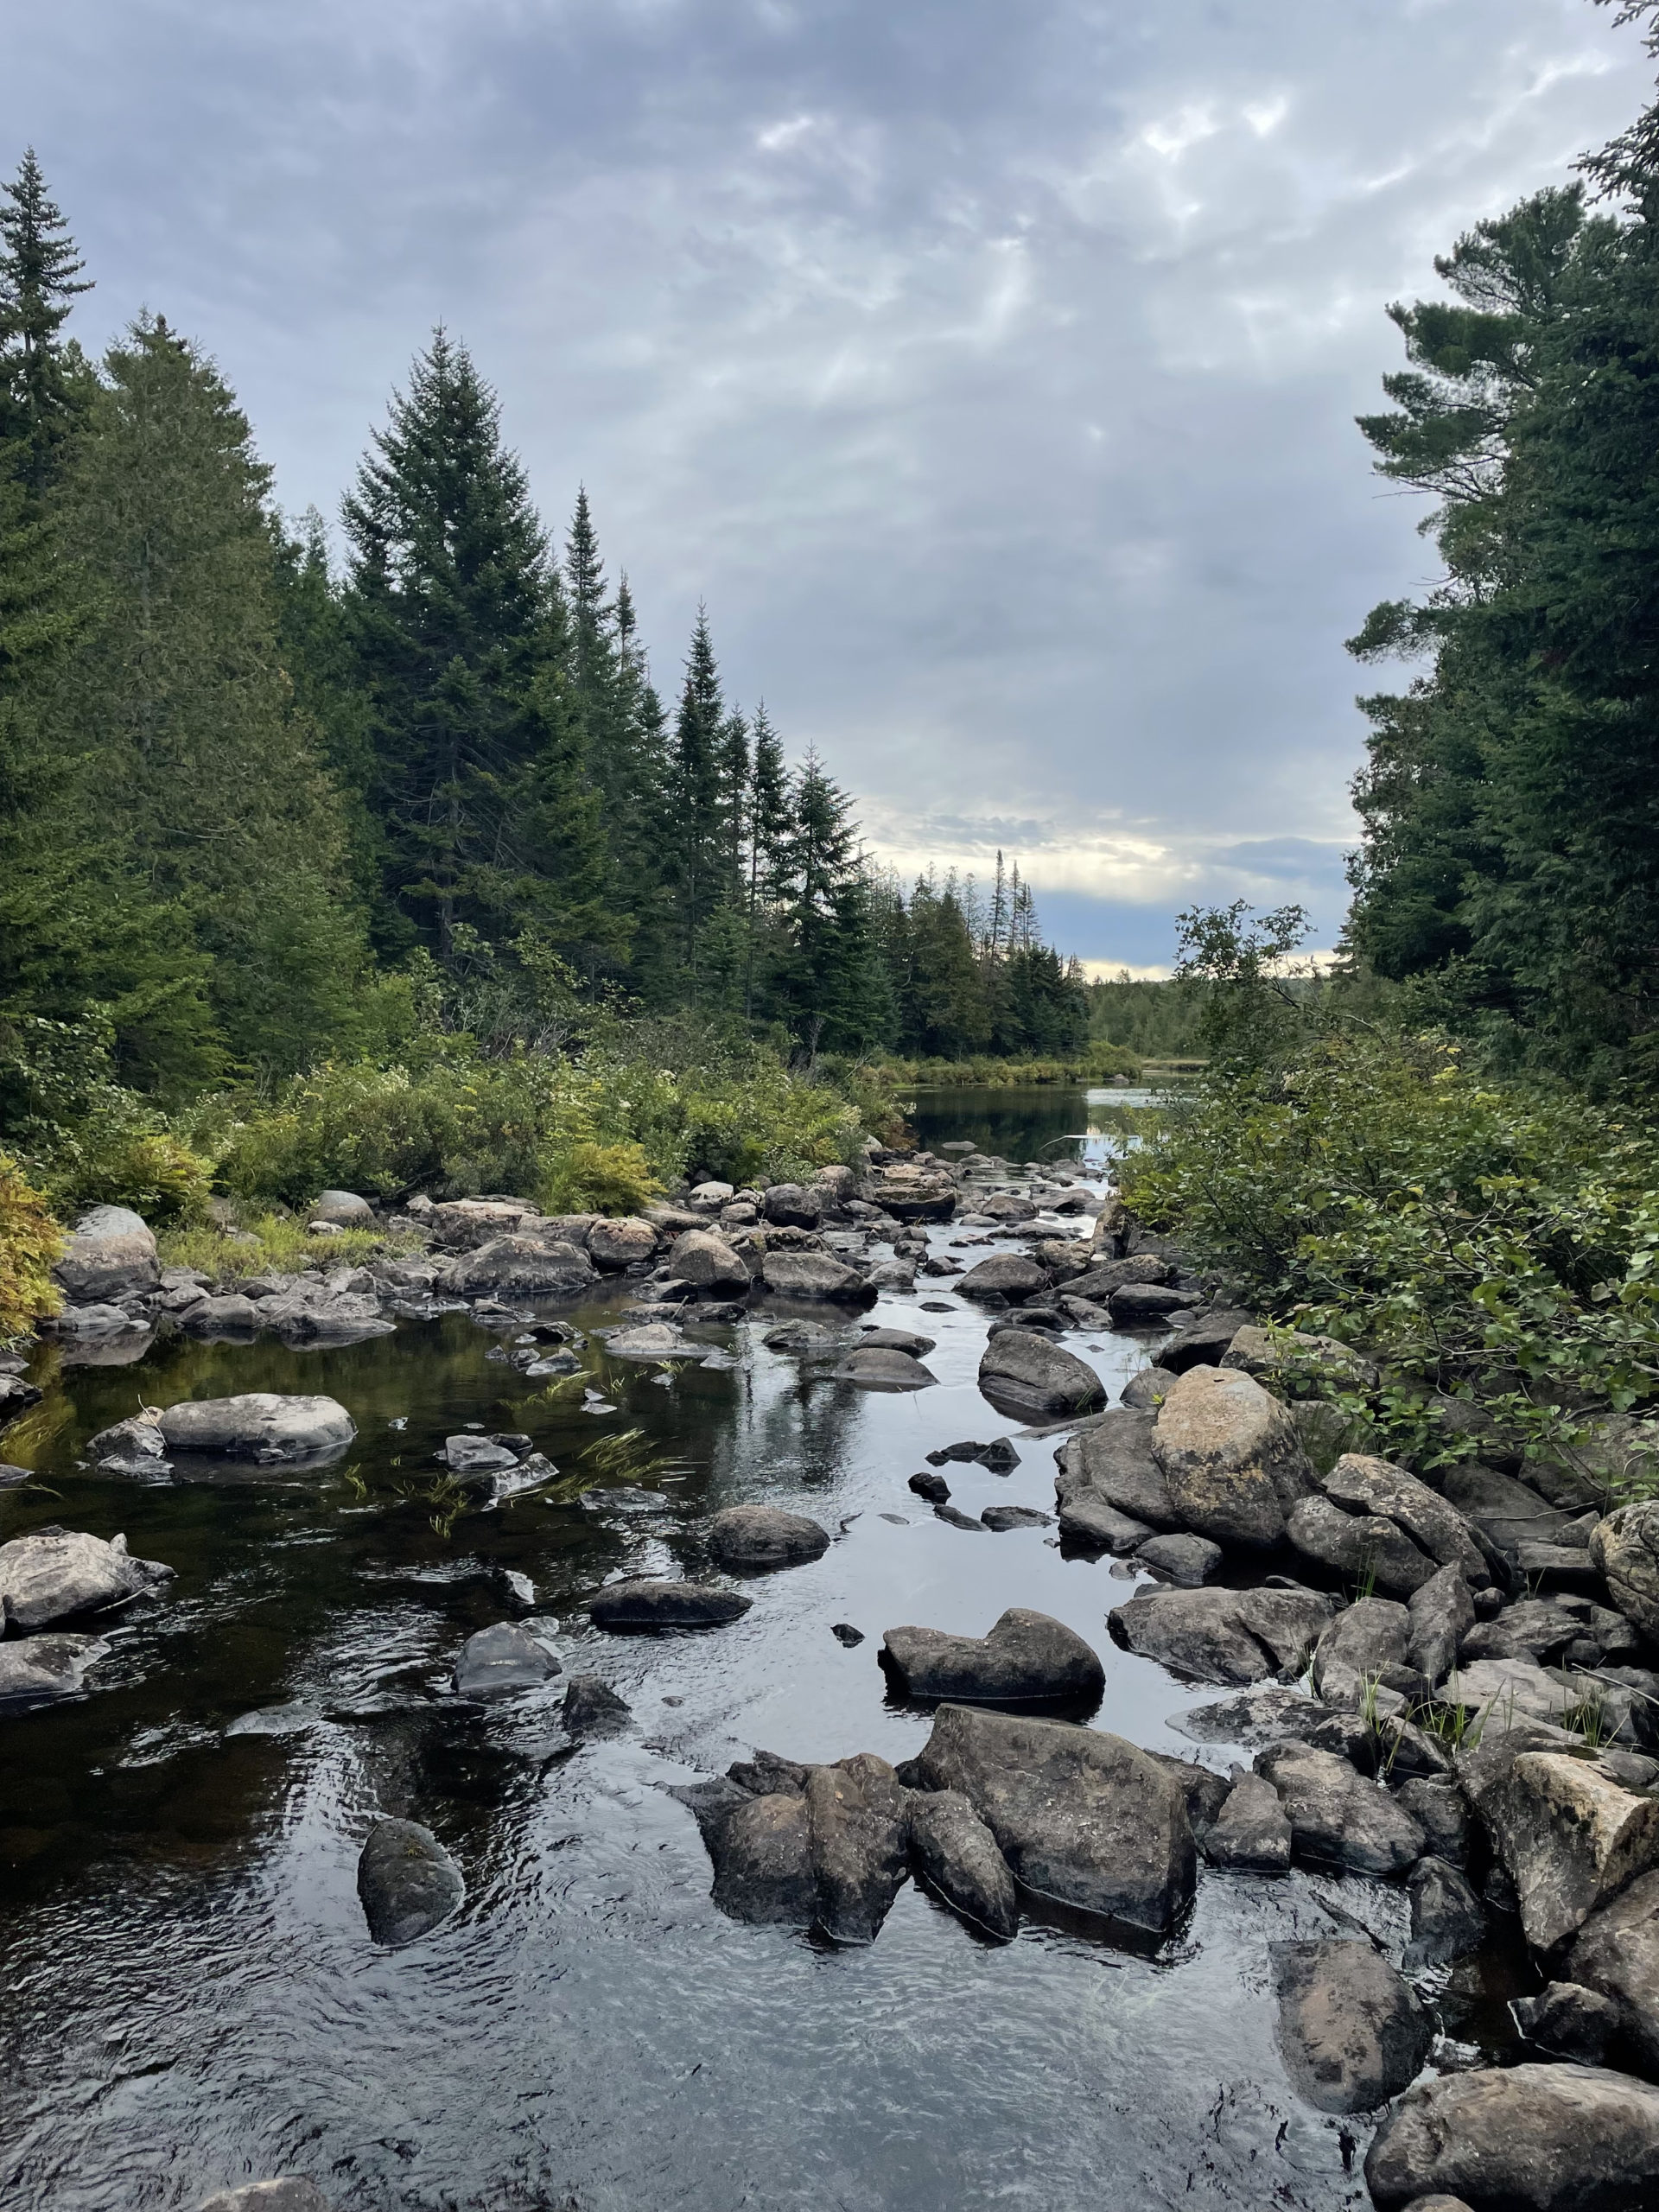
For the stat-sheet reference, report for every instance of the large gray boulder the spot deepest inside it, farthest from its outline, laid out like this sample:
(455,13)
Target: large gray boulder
(1232,1457)
(1363,1484)
(1352,2033)
(407,1882)
(345,1209)
(53,1573)
(1336,1816)
(1251,1834)
(1027,1377)
(502,1660)
(1571,1839)
(464,1224)
(1625,1546)
(707,1262)
(1508,1513)
(1442,1613)
(958,1857)
(883,1367)
(648,1604)
(1223,1636)
(36,1669)
(625,1243)
(112,1256)
(518,1266)
(1362,1546)
(1615,1952)
(1522,2139)
(1448,1921)
(1365,1644)
(1004,1274)
(1112,1461)
(794,1205)
(813,1275)
(271,1430)
(760,1538)
(1081,1817)
(1027,1658)
(823,1847)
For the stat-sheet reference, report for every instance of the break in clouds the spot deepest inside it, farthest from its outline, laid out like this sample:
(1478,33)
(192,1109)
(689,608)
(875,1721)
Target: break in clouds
(989,370)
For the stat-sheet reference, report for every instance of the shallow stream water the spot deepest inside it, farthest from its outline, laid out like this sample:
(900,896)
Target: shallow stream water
(189,1997)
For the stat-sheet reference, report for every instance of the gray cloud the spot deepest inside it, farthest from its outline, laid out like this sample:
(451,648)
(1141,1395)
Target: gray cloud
(989,369)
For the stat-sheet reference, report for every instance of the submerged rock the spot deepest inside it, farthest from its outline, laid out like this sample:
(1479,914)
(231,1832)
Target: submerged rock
(37,1668)
(407,1882)
(1537,2139)
(959,1858)
(501,1661)
(649,1604)
(1081,1816)
(1026,1658)
(54,1573)
(263,1426)
(1351,2032)
(762,1537)
(593,1708)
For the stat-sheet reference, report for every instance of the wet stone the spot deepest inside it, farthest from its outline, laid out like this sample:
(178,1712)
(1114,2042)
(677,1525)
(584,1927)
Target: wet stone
(407,1882)
(593,1708)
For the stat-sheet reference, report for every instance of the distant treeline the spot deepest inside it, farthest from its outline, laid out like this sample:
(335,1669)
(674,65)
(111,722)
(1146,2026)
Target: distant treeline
(261,807)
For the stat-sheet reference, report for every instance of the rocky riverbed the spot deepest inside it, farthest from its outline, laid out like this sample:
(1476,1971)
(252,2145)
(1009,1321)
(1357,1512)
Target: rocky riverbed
(530,1722)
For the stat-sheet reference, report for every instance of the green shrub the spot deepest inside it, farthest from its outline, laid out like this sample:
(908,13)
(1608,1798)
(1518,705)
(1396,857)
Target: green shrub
(149,1170)
(30,1241)
(591,1177)
(280,1245)
(1479,1238)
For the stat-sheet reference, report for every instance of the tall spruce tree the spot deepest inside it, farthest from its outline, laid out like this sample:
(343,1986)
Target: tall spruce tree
(696,844)
(452,600)
(200,773)
(44,386)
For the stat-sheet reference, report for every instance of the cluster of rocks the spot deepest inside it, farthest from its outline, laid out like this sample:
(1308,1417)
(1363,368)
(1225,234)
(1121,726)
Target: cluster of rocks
(51,1577)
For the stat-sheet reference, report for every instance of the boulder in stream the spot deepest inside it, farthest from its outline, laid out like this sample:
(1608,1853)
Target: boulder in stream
(761,1538)
(407,1882)
(112,1256)
(1027,1658)
(1571,1839)
(649,1604)
(1082,1817)
(593,1708)
(53,1573)
(501,1661)
(263,1425)
(958,1857)
(36,1669)
(882,1367)
(1337,1817)
(1223,1636)
(1522,2139)
(1351,2032)
(1028,1376)
(813,1275)
(1232,1457)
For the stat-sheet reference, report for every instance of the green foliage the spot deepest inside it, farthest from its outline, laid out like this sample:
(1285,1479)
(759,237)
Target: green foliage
(1478,1238)
(1098,1064)
(30,1240)
(271,1243)
(590,1178)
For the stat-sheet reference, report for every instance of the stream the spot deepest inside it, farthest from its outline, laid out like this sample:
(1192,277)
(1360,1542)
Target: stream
(188,1994)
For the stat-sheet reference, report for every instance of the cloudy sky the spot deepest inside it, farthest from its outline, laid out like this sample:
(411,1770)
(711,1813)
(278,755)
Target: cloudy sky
(988,367)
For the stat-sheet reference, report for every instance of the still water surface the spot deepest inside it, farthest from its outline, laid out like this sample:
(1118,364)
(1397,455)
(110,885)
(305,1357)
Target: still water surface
(189,1996)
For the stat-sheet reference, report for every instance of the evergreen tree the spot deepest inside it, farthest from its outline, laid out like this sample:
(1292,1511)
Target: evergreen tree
(770,820)
(199,774)
(452,603)
(43,386)
(696,844)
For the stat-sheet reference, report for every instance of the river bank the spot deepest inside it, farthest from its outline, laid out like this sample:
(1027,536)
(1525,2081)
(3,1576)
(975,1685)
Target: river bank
(195,1997)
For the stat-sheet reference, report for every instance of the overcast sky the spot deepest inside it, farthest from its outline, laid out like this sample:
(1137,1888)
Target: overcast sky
(988,367)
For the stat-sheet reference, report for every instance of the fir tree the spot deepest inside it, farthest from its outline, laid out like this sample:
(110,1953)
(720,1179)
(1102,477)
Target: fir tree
(695,842)
(770,819)
(452,600)
(43,389)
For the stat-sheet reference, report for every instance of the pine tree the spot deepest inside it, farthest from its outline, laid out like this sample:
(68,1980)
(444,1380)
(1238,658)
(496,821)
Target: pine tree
(770,819)
(43,386)
(452,599)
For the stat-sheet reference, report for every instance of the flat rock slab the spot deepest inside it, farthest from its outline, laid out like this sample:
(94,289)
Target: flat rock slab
(37,1668)
(1522,2139)
(1027,1658)
(1352,2033)
(407,1882)
(263,1425)
(813,1275)
(648,1604)
(760,1538)
(1081,1817)
(895,1340)
(501,1661)
(1223,1636)
(52,1574)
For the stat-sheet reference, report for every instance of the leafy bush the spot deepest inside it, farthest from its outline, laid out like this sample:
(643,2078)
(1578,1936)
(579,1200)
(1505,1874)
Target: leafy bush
(30,1241)
(149,1170)
(591,1177)
(272,1243)
(1100,1063)
(1479,1238)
